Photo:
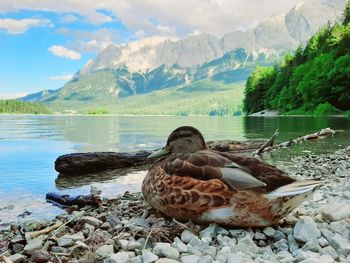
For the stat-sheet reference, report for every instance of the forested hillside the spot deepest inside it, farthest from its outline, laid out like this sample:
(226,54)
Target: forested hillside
(15,106)
(313,80)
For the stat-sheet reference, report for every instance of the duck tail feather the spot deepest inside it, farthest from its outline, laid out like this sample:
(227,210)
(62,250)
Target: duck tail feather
(296,188)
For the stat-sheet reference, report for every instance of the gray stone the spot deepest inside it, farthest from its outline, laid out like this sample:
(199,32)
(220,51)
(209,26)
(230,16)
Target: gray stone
(181,246)
(246,245)
(17,258)
(166,260)
(120,257)
(33,245)
(329,251)
(78,236)
(279,235)
(323,242)
(225,251)
(65,242)
(17,248)
(239,257)
(137,259)
(205,259)
(195,241)
(148,256)
(164,249)
(132,245)
(293,245)
(91,221)
(140,222)
(305,229)
(189,259)
(123,243)
(335,211)
(237,232)
(105,251)
(56,249)
(210,231)
(312,245)
(341,245)
(223,240)
(211,251)
(269,231)
(259,236)
(105,226)
(222,231)
(186,236)
(281,245)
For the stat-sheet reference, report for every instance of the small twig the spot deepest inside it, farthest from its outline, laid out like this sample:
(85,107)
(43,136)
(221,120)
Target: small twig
(267,144)
(58,259)
(6,259)
(148,236)
(181,224)
(46,230)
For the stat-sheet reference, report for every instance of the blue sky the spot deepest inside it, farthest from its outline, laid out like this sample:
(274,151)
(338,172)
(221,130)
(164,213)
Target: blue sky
(43,43)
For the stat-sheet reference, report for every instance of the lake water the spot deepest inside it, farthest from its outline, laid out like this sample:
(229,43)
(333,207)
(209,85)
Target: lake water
(29,146)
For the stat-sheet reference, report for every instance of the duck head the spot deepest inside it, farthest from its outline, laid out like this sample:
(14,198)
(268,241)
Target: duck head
(185,139)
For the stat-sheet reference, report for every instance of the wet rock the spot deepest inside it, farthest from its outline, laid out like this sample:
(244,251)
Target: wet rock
(335,211)
(148,256)
(305,229)
(105,251)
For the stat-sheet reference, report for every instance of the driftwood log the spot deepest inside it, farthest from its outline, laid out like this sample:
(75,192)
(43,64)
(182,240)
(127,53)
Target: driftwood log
(67,200)
(98,162)
(95,162)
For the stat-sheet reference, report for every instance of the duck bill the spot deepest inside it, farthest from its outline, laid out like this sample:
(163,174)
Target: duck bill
(159,153)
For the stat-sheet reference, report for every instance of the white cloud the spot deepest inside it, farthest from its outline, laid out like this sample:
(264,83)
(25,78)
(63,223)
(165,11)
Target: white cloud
(69,18)
(90,41)
(163,29)
(157,17)
(64,52)
(65,77)
(19,26)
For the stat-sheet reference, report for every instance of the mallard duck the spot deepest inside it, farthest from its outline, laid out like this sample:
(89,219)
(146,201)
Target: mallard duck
(190,182)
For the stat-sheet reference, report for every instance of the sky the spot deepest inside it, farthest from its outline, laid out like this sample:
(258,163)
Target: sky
(43,43)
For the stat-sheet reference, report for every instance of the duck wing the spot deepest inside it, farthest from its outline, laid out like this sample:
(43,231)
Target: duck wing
(206,165)
(270,175)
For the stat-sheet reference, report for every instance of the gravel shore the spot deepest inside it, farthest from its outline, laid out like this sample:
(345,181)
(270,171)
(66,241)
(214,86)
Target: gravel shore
(127,230)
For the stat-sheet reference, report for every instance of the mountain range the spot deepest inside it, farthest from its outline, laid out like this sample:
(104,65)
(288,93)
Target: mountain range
(148,65)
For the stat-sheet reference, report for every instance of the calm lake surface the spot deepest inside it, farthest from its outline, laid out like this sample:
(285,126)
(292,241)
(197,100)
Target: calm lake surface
(29,146)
